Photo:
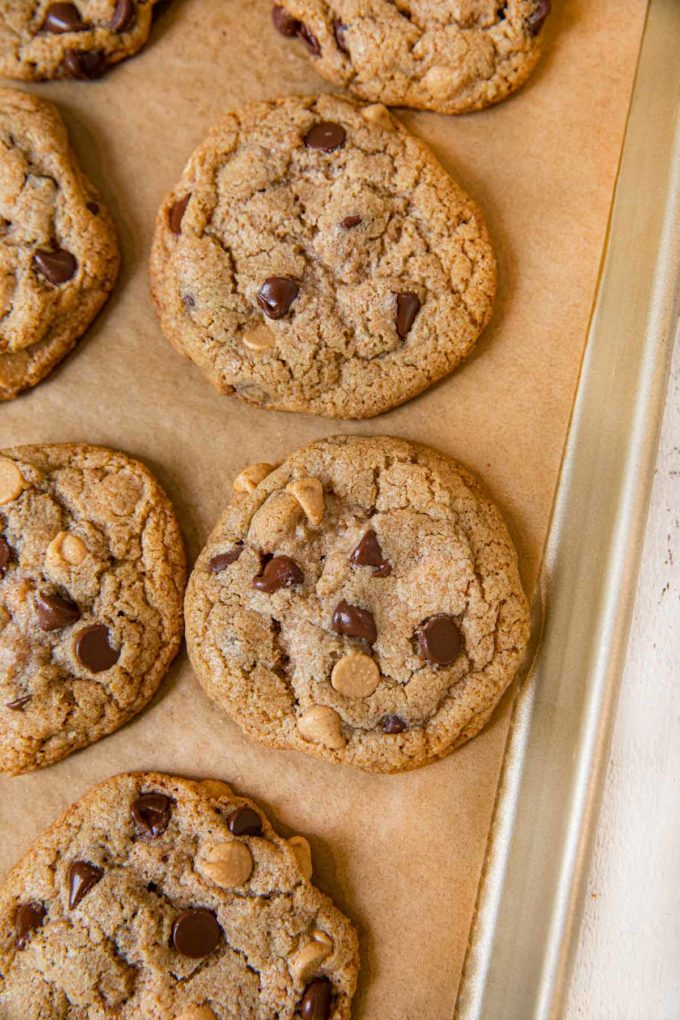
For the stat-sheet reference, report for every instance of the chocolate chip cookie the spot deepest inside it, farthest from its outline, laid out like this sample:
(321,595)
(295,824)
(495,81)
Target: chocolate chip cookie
(164,899)
(361,602)
(78,40)
(447,55)
(58,250)
(92,576)
(316,257)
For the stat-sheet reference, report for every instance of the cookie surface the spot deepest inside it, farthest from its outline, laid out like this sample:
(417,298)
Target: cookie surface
(361,602)
(316,257)
(92,575)
(167,899)
(58,249)
(77,40)
(452,56)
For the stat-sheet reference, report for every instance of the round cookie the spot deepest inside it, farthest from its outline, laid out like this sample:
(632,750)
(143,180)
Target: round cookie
(453,56)
(167,899)
(58,249)
(362,603)
(92,575)
(77,40)
(316,257)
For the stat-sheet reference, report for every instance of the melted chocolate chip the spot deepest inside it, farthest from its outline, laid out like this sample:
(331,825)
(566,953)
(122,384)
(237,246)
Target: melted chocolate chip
(369,554)
(354,622)
(439,639)
(326,136)
(350,221)
(123,15)
(339,32)
(316,1001)
(536,19)
(82,876)
(5,554)
(63,18)
(176,214)
(392,724)
(28,917)
(279,572)
(195,933)
(56,266)
(151,814)
(284,22)
(223,560)
(19,703)
(276,295)
(84,65)
(244,822)
(55,612)
(93,649)
(408,306)
(310,40)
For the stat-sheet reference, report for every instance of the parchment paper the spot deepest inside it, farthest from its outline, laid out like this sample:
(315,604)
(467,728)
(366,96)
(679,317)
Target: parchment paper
(401,854)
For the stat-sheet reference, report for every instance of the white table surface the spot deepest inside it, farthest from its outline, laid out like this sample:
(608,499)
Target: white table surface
(628,961)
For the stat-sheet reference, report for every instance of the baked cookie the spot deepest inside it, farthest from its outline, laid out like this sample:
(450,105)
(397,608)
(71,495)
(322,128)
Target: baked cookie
(165,899)
(92,574)
(78,40)
(447,55)
(58,249)
(361,602)
(316,257)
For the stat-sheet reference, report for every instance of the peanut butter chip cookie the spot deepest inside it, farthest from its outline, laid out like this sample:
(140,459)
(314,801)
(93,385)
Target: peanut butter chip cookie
(316,257)
(447,55)
(58,250)
(92,576)
(77,40)
(133,906)
(381,636)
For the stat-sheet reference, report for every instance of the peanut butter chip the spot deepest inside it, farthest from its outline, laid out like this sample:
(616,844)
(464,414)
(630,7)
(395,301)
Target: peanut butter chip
(303,851)
(249,479)
(322,725)
(215,788)
(66,548)
(378,114)
(196,1013)
(258,337)
(305,961)
(11,481)
(228,864)
(355,676)
(309,494)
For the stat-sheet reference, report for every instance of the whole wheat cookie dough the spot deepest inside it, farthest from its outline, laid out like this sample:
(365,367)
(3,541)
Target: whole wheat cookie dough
(453,56)
(316,257)
(40,39)
(361,603)
(164,899)
(92,574)
(58,249)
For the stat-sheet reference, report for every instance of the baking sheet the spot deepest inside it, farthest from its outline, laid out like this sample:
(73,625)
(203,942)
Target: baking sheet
(401,854)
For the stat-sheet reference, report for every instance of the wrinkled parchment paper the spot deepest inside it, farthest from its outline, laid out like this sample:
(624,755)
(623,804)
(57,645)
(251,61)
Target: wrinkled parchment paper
(400,854)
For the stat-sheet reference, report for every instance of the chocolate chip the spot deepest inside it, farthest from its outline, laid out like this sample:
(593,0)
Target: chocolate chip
(223,560)
(93,649)
(28,917)
(392,724)
(5,554)
(354,622)
(284,22)
(327,136)
(369,554)
(84,65)
(55,612)
(244,822)
(310,41)
(82,876)
(339,32)
(123,15)
(439,639)
(316,1002)
(63,18)
(151,814)
(195,933)
(189,300)
(93,208)
(276,295)
(408,306)
(279,572)
(350,221)
(536,19)
(56,266)
(176,214)
(19,703)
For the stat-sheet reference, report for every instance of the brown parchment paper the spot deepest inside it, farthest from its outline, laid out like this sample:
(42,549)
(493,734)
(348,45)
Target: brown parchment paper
(400,854)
